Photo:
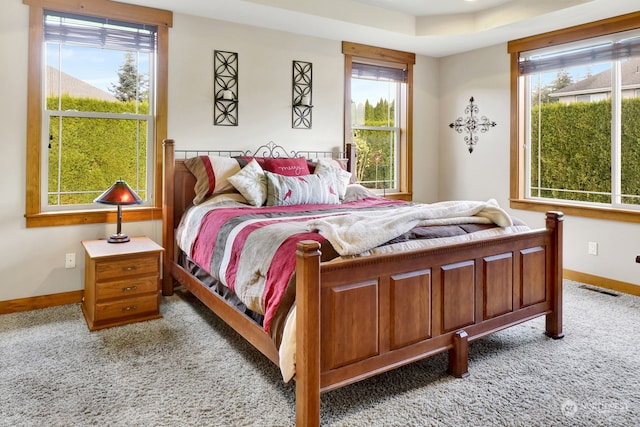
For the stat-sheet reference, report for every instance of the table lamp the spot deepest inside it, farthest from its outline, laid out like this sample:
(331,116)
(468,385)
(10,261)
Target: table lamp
(119,194)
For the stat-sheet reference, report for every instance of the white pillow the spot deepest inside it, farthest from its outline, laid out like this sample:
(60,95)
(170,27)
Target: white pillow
(339,175)
(300,190)
(251,183)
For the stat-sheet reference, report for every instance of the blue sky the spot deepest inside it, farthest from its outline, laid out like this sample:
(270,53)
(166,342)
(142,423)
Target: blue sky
(98,67)
(361,90)
(576,73)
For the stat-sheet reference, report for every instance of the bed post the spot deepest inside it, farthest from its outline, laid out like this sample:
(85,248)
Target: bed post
(554,318)
(459,355)
(350,152)
(167,216)
(308,333)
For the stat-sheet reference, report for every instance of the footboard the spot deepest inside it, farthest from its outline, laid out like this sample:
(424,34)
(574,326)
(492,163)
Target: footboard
(363,316)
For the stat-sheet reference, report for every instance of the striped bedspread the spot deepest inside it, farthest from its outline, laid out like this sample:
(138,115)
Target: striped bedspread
(252,250)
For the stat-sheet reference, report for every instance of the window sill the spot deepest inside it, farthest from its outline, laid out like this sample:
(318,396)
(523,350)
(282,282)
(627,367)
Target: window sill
(611,214)
(397,196)
(50,219)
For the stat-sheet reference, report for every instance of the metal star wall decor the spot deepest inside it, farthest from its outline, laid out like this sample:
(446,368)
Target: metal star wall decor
(472,124)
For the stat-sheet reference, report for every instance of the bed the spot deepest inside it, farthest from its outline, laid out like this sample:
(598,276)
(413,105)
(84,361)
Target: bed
(357,316)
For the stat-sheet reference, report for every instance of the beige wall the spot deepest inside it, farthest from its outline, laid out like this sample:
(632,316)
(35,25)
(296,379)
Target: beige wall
(265,59)
(32,260)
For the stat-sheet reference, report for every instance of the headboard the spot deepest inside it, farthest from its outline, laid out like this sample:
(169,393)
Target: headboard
(179,182)
(184,181)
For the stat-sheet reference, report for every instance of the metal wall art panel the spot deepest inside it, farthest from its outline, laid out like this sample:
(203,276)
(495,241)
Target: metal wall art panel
(301,95)
(225,83)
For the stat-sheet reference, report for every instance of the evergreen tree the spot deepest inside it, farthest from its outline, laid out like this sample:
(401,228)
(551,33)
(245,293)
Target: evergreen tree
(368,111)
(131,85)
(375,157)
(562,80)
(541,94)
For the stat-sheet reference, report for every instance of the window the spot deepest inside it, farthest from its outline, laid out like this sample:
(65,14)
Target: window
(575,146)
(97,90)
(378,93)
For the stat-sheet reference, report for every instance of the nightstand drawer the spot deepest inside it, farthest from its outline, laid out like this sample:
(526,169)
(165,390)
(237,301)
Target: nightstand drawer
(126,307)
(112,269)
(126,288)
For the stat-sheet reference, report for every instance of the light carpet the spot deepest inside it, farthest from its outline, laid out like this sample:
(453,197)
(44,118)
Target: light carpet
(190,369)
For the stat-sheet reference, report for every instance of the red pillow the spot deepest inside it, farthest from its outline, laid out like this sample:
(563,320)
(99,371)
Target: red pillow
(286,166)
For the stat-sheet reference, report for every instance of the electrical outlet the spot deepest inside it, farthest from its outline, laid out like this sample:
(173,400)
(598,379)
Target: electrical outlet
(593,248)
(70,260)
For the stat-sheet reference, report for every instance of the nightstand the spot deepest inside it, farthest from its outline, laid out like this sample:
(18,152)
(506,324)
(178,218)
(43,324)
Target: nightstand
(121,282)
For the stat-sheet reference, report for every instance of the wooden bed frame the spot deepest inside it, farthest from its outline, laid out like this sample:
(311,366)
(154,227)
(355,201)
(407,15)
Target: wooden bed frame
(359,317)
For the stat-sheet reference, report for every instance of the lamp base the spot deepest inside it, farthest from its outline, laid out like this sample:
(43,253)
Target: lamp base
(118,238)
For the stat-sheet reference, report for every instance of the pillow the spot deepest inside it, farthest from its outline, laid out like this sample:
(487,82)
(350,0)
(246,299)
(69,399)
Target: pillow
(357,192)
(332,167)
(308,189)
(312,163)
(212,173)
(294,166)
(251,183)
(226,199)
(244,160)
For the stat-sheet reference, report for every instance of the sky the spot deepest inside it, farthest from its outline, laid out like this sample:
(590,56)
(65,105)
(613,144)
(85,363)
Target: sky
(576,73)
(361,90)
(98,67)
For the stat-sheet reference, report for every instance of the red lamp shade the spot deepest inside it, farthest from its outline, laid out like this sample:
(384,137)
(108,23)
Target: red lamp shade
(119,194)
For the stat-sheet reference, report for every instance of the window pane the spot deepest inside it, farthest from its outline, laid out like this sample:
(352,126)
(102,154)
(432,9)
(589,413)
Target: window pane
(630,133)
(87,155)
(116,81)
(376,158)
(597,111)
(375,133)
(97,103)
(570,134)
(373,102)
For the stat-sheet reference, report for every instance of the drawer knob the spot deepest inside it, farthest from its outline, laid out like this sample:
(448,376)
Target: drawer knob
(130,268)
(129,288)
(129,308)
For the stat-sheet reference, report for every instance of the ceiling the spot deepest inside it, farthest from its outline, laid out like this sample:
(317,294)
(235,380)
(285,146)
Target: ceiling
(435,7)
(428,27)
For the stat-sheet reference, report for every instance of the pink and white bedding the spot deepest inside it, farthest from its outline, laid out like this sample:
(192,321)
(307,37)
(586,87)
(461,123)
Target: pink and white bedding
(251,250)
